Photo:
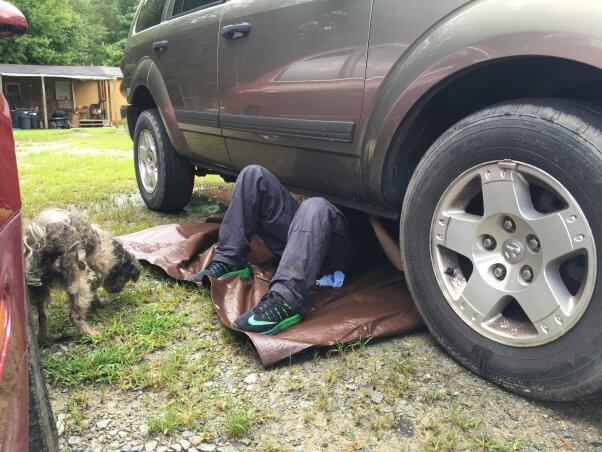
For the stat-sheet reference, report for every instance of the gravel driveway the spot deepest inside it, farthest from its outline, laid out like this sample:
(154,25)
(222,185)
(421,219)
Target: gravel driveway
(343,400)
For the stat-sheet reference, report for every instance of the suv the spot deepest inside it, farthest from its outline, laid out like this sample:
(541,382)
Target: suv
(473,122)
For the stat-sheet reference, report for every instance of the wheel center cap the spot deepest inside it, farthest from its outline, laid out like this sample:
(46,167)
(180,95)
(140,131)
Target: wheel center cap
(514,251)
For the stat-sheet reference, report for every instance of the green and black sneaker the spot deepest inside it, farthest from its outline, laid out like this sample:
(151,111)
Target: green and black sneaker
(218,269)
(272,315)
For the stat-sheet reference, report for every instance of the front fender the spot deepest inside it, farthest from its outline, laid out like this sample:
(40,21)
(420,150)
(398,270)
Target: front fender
(147,76)
(478,32)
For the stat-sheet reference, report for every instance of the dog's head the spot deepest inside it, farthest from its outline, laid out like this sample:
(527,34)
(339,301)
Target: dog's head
(125,269)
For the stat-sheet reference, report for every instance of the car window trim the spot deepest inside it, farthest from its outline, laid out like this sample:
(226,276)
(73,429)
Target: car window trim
(135,22)
(190,11)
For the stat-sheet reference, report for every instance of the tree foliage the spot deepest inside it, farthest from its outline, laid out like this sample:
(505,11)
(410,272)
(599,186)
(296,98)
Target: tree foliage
(71,32)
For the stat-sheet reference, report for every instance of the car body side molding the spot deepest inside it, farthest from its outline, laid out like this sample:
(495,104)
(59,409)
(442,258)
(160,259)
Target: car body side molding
(198,118)
(341,131)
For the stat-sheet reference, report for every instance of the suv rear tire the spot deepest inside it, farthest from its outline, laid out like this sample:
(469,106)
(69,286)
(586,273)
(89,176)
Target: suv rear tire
(491,291)
(165,179)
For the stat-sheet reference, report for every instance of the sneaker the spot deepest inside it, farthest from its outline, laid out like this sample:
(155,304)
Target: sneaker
(218,269)
(272,315)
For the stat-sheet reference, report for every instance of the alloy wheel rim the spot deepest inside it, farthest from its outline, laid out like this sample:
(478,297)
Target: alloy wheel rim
(513,253)
(147,161)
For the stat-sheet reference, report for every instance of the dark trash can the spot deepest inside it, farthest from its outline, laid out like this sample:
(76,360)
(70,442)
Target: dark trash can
(24,121)
(34,119)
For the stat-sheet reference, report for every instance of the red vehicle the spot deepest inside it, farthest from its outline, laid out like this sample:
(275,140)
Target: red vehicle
(25,414)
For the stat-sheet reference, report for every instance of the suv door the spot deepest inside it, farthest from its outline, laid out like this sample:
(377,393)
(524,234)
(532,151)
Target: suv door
(291,81)
(185,50)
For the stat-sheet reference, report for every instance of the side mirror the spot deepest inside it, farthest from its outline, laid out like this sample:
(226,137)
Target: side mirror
(12,21)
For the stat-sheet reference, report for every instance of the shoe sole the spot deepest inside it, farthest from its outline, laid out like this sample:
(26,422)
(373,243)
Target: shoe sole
(244,273)
(286,323)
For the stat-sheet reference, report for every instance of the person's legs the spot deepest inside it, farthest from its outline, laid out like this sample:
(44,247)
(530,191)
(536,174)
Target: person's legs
(260,204)
(318,234)
(318,240)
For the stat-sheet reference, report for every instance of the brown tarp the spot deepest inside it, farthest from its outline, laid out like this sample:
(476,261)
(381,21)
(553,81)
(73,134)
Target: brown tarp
(374,301)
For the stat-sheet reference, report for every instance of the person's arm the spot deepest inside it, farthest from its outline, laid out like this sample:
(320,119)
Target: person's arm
(390,246)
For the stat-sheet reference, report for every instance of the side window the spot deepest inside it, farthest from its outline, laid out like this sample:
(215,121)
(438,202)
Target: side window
(150,14)
(181,6)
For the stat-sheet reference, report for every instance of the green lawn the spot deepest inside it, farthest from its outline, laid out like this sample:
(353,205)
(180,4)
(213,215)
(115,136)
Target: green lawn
(91,171)
(112,138)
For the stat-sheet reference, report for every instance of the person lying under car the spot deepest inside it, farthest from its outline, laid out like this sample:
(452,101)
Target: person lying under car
(309,239)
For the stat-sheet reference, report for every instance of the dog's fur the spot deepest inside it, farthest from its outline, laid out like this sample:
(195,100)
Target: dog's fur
(63,250)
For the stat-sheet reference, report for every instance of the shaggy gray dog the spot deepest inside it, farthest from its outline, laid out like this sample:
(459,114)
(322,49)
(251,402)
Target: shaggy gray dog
(65,251)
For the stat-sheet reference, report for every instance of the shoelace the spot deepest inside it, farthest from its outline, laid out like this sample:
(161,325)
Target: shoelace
(216,268)
(273,308)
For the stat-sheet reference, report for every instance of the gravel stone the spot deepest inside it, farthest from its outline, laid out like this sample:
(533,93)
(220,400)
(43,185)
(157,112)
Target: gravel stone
(229,449)
(305,404)
(60,428)
(250,379)
(405,427)
(144,430)
(196,440)
(176,447)
(207,447)
(101,425)
(150,446)
(377,397)
(73,440)
(185,444)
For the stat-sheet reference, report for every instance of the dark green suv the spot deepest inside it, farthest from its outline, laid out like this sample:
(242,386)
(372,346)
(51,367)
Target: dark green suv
(473,122)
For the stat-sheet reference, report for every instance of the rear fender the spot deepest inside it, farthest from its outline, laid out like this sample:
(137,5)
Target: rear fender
(479,32)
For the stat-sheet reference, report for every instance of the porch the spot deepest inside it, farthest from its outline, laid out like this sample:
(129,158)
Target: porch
(89,96)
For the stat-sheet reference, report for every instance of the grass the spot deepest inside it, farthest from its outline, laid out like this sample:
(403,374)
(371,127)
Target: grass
(459,430)
(109,138)
(237,422)
(101,186)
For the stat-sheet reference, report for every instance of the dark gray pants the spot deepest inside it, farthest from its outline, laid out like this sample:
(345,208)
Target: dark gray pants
(309,239)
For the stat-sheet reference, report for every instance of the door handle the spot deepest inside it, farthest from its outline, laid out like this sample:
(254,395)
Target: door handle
(237,31)
(160,46)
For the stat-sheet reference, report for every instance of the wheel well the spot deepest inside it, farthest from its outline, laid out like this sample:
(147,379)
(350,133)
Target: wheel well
(142,100)
(475,89)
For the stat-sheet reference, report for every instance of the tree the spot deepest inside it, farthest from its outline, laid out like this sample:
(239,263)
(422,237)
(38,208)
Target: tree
(71,32)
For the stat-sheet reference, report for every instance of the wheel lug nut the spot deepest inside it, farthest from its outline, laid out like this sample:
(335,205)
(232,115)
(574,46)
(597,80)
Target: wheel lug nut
(508,224)
(499,271)
(526,273)
(489,243)
(533,243)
